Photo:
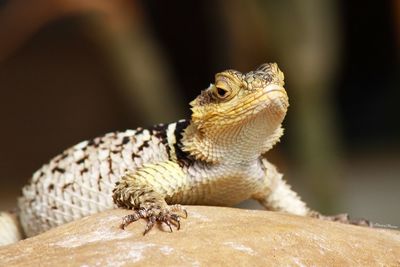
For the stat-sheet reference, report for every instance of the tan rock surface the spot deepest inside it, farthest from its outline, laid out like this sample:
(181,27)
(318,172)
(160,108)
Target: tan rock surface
(210,236)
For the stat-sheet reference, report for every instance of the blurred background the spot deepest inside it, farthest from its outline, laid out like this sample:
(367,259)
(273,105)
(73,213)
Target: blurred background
(72,70)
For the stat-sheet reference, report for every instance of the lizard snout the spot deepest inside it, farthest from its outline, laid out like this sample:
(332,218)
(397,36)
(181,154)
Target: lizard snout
(278,98)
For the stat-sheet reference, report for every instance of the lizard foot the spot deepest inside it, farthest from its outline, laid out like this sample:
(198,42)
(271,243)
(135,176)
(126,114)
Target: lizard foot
(342,218)
(171,215)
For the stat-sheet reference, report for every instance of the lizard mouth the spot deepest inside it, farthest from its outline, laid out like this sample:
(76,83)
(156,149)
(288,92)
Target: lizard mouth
(269,103)
(273,100)
(278,96)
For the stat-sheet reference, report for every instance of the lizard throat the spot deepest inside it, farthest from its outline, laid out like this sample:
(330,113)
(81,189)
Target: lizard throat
(240,142)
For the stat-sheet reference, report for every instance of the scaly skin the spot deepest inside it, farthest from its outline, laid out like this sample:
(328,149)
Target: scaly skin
(216,158)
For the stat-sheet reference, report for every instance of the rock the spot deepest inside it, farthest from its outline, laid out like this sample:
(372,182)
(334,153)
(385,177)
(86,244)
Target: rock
(210,236)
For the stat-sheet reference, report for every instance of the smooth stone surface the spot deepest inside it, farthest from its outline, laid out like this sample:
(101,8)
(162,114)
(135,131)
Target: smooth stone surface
(210,236)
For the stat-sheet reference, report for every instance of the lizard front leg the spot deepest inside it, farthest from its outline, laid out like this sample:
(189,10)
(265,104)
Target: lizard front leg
(145,191)
(278,196)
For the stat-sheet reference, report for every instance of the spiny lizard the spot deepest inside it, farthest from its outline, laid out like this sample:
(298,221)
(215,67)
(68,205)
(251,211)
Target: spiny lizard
(216,158)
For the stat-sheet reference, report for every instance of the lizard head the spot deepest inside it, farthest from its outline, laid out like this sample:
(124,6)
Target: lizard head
(235,98)
(241,105)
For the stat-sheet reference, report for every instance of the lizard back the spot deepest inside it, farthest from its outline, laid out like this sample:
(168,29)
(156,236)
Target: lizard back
(79,181)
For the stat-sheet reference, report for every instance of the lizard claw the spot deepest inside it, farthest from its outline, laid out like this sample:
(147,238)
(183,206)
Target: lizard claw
(180,209)
(126,220)
(168,215)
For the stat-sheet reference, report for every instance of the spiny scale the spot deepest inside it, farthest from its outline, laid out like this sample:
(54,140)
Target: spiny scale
(80,181)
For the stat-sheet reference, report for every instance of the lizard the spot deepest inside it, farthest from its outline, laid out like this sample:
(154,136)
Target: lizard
(218,157)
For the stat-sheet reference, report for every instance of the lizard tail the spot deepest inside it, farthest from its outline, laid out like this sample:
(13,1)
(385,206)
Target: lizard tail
(10,229)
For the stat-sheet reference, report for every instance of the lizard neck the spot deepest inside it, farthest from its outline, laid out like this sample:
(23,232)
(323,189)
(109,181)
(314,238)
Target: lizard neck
(237,143)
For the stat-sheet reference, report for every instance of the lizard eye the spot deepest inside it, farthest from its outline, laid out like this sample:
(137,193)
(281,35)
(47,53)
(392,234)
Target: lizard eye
(221,92)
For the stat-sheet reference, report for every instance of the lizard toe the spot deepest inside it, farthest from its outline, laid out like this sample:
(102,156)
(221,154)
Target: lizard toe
(171,216)
(128,219)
